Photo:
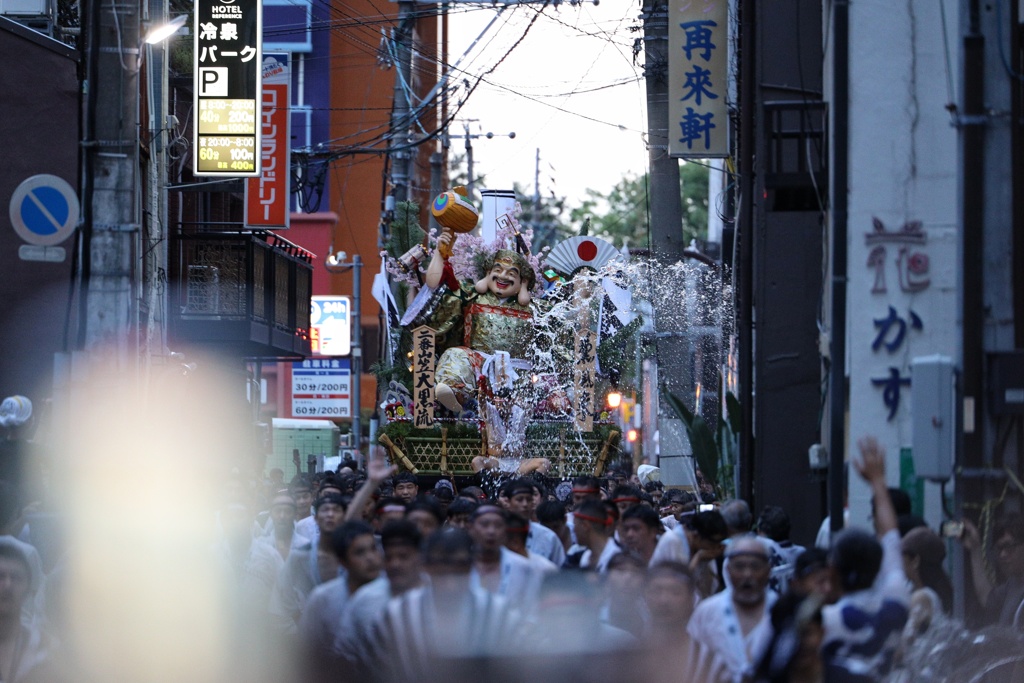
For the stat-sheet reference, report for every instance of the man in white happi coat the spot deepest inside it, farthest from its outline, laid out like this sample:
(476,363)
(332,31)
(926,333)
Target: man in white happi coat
(736,623)
(403,569)
(497,569)
(308,565)
(356,549)
(267,554)
(433,628)
(540,540)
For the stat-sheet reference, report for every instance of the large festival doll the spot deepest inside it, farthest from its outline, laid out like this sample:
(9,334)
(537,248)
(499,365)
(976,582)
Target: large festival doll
(495,318)
(496,323)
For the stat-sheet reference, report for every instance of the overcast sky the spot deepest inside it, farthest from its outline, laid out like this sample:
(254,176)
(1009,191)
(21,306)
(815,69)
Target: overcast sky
(570,88)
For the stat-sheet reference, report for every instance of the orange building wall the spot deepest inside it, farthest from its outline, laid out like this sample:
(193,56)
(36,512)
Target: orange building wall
(361,98)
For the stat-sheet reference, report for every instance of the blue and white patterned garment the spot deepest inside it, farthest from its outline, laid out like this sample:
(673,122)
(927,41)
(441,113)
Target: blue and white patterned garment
(863,629)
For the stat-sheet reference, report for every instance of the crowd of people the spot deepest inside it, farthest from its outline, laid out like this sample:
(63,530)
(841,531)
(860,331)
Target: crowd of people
(364,575)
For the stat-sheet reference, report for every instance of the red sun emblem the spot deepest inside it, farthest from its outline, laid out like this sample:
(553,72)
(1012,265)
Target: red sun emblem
(586,250)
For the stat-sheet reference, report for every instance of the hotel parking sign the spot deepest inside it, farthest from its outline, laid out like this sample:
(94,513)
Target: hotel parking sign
(227,86)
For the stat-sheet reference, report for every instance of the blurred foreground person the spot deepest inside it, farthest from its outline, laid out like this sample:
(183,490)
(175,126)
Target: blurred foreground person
(932,598)
(736,623)
(307,566)
(426,633)
(623,583)
(496,568)
(568,622)
(356,549)
(267,554)
(669,594)
(863,628)
(403,567)
(23,650)
(812,575)
(794,654)
(568,642)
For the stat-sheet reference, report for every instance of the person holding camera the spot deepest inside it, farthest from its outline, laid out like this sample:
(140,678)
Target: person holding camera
(1003,602)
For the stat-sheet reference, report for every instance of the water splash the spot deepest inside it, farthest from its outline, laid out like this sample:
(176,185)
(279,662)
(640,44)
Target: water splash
(685,310)
(949,653)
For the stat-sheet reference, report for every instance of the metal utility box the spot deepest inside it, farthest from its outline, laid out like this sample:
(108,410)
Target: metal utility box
(317,438)
(933,383)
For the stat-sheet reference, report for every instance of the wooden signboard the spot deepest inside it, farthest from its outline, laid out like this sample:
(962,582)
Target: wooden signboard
(423,376)
(586,362)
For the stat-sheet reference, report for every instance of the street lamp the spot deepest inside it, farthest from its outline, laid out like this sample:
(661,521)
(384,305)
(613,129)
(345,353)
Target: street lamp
(335,263)
(163,31)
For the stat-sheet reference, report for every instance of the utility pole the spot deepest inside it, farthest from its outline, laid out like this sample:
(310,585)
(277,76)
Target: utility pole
(536,198)
(357,354)
(159,129)
(471,184)
(667,242)
(436,182)
(838,410)
(471,181)
(400,151)
(666,222)
(110,143)
(336,263)
(536,180)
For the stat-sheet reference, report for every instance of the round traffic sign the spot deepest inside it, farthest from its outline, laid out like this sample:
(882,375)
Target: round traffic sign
(44,210)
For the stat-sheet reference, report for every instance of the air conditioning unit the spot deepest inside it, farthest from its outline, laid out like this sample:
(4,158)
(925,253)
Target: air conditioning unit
(203,293)
(25,8)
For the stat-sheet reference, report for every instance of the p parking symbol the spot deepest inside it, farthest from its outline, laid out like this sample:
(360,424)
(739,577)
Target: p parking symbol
(213,81)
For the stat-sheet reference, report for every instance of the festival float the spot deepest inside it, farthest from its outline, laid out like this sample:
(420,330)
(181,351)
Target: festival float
(495,358)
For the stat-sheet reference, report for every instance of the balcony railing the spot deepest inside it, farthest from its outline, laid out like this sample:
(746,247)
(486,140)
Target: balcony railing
(245,292)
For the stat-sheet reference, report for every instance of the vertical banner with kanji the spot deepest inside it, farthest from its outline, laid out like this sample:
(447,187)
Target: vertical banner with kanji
(266,197)
(698,69)
(586,362)
(423,376)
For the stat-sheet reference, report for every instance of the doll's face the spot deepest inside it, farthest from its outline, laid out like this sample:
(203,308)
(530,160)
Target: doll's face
(504,280)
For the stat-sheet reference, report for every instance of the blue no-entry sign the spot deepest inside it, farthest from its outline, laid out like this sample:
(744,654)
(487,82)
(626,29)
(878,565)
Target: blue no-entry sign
(44,210)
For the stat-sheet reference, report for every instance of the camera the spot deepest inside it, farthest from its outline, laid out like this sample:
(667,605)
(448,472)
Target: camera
(708,507)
